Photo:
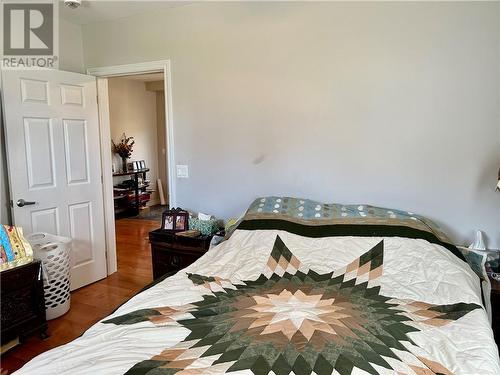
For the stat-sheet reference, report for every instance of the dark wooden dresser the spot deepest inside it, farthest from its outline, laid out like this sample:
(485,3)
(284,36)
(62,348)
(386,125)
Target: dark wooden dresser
(22,302)
(173,253)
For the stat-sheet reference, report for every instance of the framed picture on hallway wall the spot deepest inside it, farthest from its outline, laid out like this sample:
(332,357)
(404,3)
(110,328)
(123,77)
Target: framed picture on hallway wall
(175,220)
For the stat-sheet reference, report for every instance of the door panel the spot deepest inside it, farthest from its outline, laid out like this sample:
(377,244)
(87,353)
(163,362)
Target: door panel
(39,143)
(75,145)
(46,220)
(72,95)
(34,91)
(80,219)
(53,154)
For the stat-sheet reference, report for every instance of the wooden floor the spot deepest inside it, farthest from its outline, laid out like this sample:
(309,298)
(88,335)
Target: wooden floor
(93,302)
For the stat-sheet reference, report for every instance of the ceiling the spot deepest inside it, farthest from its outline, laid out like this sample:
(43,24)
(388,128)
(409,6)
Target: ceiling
(151,77)
(102,10)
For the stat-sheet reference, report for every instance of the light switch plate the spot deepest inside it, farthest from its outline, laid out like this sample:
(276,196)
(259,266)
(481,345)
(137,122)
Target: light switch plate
(182,171)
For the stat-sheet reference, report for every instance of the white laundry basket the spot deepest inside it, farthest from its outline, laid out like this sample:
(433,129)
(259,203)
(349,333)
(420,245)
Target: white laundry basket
(55,254)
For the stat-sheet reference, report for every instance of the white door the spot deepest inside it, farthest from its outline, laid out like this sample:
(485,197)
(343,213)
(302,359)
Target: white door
(53,155)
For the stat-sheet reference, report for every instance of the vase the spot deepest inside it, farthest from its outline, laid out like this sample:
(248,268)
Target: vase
(124,165)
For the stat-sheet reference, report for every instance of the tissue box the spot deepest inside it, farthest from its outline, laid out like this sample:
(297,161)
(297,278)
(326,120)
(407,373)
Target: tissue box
(206,227)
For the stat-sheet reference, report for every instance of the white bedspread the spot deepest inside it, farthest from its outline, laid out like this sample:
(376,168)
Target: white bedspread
(413,269)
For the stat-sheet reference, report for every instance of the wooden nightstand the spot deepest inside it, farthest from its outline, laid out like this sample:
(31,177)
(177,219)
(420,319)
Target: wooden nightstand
(495,306)
(23,303)
(173,253)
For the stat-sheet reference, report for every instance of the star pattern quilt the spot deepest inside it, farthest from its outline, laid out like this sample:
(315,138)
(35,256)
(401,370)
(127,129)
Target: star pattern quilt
(277,298)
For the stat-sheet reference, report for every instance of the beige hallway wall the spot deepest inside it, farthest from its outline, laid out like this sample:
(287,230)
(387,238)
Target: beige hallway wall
(132,110)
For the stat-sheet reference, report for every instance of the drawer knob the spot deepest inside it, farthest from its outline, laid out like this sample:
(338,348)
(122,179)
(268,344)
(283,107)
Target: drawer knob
(175,261)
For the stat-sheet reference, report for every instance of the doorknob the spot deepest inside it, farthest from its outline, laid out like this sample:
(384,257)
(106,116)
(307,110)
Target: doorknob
(22,203)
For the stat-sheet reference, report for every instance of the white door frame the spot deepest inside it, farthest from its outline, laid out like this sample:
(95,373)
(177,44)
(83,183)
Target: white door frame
(105,135)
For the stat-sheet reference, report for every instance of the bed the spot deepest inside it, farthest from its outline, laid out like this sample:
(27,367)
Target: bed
(300,287)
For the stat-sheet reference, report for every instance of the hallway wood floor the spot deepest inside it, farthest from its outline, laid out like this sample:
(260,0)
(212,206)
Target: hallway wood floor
(93,302)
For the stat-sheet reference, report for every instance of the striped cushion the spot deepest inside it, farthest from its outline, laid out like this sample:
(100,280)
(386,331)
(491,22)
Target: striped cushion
(15,250)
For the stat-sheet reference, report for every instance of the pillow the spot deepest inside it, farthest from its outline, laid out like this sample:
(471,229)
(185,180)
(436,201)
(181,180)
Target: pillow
(308,211)
(316,219)
(15,250)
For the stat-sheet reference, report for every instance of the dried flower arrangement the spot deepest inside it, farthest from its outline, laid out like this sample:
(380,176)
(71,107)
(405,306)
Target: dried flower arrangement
(124,148)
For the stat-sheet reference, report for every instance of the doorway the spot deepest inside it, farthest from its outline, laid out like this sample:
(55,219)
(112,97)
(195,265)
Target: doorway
(150,78)
(138,137)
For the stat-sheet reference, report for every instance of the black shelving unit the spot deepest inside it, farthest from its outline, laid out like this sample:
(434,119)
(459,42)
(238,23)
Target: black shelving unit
(121,195)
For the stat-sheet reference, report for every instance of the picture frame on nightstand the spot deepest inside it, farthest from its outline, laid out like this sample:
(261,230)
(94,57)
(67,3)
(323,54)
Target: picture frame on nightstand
(175,220)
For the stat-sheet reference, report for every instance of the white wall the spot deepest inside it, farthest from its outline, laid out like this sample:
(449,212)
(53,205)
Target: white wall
(70,47)
(132,110)
(392,104)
